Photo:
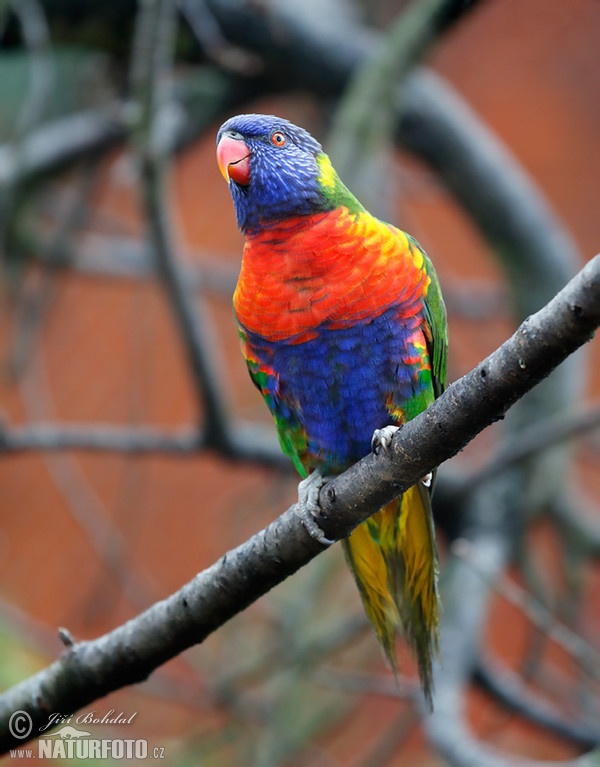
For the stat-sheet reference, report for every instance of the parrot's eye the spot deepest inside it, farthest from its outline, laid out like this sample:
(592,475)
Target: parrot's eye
(278,138)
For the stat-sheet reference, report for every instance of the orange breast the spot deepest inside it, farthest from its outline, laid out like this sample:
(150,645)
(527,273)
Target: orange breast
(334,269)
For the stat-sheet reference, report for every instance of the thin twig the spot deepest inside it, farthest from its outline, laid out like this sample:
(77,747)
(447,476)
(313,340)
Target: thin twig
(36,35)
(124,258)
(33,634)
(539,615)
(38,291)
(534,439)
(34,31)
(150,70)
(364,122)
(365,683)
(86,508)
(208,33)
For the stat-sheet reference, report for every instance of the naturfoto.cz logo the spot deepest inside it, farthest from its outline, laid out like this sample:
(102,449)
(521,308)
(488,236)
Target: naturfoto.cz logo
(72,743)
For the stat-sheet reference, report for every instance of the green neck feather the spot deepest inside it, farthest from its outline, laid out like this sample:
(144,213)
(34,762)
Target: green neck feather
(333,187)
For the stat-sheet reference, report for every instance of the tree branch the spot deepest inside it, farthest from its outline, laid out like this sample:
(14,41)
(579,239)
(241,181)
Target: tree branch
(61,143)
(364,122)
(250,442)
(508,688)
(151,67)
(129,653)
(535,439)
(576,521)
(35,33)
(577,648)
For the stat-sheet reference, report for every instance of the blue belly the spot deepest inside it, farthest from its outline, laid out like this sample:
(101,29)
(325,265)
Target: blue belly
(337,384)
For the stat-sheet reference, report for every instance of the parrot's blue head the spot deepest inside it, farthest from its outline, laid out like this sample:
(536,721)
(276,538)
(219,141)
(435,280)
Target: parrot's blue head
(274,169)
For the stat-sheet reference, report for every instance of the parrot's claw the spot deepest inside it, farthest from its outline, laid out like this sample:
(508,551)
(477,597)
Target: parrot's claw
(308,506)
(382,438)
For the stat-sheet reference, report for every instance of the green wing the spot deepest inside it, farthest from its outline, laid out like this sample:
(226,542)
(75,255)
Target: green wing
(437,326)
(291,433)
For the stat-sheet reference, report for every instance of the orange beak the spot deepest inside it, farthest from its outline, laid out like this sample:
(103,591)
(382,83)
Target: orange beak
(233,157)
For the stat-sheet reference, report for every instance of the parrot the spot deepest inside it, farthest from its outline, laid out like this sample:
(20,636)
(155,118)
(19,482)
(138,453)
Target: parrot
(343,329)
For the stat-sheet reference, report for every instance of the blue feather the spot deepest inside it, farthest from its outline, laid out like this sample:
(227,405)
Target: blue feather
(336,384)
(284,179)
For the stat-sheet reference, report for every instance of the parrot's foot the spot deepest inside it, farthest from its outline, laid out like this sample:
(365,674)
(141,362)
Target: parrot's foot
(382,439)
(308,506)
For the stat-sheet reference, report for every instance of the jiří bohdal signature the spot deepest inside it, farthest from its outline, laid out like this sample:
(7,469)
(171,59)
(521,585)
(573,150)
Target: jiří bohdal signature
(89,717)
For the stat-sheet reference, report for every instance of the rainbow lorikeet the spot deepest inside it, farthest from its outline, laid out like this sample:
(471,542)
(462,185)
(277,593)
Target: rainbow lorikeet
(343,328)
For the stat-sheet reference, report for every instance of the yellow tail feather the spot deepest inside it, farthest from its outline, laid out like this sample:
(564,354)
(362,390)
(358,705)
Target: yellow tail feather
(393,556)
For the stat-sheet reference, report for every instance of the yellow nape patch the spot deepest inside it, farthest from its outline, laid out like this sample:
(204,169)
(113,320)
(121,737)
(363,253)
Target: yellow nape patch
(327,174)
(418,259)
